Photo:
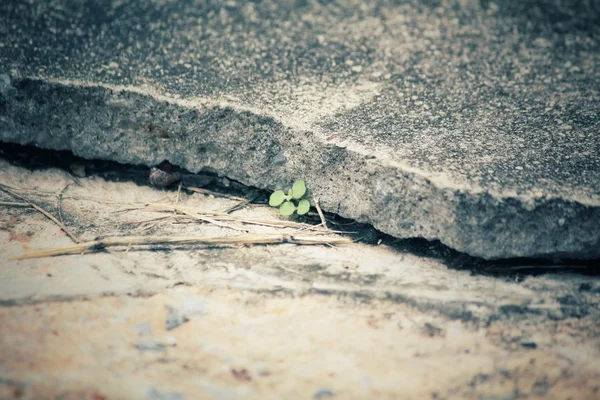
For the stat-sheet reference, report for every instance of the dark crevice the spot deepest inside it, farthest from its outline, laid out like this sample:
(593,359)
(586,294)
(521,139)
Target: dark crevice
(33,158)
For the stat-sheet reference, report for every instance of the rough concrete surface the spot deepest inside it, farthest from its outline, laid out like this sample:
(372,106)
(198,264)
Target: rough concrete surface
(471,122)
(267,322)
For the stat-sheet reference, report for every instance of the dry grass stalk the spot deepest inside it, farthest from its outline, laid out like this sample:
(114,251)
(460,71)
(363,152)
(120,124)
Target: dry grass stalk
(153,219)
(38,192)
(323,221)
(178,196)
(235,207)
(13,204)
(43,193)
(247,199)
(210,220)
(59,202)
(221,216)
(42,211)
(128,241)
(215,194)
(151,224)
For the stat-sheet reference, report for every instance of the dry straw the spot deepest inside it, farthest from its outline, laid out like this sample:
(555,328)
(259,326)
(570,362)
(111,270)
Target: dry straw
(250,239)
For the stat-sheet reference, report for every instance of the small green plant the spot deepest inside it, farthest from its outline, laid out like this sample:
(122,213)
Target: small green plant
(285,202)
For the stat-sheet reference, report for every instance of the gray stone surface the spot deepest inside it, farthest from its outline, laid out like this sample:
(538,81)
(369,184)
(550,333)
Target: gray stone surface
(470,122)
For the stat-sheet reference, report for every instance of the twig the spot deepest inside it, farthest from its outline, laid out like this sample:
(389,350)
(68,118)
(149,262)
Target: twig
(41,210)
(212,221)
(128,247)
(149,226)
(75,179)
(247,200)
(34,191)
(323,222)
(11,204)
(253,239)
(57,222)
(215,215)
(216,194)
(143,221)
(59,202)
(235,207)
(291,271)
(178,195)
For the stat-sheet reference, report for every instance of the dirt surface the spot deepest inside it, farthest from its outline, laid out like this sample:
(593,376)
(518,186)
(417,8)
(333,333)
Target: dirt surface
(365,320)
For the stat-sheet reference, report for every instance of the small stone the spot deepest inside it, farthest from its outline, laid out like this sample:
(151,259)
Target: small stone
(161,179)
(175,318)
(565,127)
(322,394)
(149,345)
(279,159)
(78,169)
(529,345)
(155,394)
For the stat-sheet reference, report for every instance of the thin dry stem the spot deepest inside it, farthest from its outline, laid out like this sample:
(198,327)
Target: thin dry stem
(12,204)
(211,220)
(129,241)
(143,221)
(216,194)
(42,211)
(178,196)
(57,222)
(247,200)
(323,221)
(59,202)
(235,207)
(220,216)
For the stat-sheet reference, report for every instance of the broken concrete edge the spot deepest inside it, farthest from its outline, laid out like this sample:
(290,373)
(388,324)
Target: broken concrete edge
(203,103)
(136,125)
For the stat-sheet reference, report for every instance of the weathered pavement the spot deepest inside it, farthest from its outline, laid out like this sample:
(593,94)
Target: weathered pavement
(475,124)
(187,322)
(472,123)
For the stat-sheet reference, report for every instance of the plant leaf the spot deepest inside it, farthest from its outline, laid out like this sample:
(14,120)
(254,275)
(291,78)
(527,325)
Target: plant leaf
(287,208)
(289,195)
(299,189)
(303,207)
(277,197)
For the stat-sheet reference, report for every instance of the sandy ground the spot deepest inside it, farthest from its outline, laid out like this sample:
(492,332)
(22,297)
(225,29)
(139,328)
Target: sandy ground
(276,321)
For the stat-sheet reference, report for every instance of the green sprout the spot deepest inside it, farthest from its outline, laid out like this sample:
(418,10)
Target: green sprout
(285,202)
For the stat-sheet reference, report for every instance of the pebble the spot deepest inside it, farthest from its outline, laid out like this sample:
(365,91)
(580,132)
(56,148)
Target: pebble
(161,179)
(322,394)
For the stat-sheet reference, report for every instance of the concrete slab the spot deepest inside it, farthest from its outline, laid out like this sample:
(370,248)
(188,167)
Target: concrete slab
(472,123)
(356,321)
